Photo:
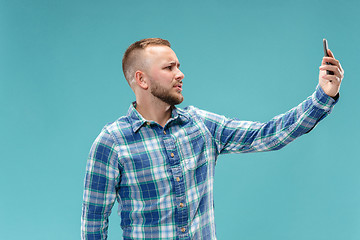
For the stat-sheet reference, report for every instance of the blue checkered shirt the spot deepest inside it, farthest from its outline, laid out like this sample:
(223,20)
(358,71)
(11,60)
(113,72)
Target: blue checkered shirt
(163,177)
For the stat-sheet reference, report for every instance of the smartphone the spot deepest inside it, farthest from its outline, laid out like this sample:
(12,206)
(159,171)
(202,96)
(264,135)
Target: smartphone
(325,43)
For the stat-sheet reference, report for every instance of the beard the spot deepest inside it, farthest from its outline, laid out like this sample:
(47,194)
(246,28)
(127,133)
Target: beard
(165,95)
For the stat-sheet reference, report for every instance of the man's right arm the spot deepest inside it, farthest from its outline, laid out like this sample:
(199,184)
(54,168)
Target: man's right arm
(101,178)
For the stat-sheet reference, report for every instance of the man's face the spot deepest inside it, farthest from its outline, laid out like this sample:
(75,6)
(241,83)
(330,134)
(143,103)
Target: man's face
(164,75)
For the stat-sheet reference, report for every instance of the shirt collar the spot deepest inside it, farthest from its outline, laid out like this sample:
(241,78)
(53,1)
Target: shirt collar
(137,121)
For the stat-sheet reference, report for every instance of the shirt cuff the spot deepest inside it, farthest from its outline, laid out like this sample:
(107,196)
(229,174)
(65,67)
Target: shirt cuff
(323,101)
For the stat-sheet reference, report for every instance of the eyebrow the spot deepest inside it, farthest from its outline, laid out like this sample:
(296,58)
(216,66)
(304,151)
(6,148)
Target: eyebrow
(174,63)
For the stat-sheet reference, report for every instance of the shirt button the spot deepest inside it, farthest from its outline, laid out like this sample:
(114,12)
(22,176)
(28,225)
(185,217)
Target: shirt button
(148,123)
(164,132)
(181,205)
(183,229)
(172,155)
(177,179)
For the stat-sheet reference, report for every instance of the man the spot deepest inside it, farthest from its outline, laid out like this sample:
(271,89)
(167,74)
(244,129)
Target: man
(158,161)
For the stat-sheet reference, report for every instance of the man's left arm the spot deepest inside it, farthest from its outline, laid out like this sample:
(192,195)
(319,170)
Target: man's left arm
(231,135)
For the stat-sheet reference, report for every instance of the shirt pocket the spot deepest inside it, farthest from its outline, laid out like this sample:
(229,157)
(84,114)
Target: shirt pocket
(193,149)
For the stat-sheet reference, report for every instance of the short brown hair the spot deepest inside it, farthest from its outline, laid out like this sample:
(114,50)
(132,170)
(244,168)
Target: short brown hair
(130,60)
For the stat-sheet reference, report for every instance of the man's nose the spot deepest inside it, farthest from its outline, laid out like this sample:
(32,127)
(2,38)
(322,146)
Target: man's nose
(179,75)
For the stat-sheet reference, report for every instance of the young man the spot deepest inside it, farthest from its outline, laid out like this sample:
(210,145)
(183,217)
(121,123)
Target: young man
(158,161)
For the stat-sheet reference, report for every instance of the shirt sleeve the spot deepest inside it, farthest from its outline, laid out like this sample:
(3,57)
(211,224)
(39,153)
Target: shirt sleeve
(235,136)
(100,187)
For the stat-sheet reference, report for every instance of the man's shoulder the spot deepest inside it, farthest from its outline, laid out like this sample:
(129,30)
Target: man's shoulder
(118,128)
(195,112)
(119,124)
(190,111)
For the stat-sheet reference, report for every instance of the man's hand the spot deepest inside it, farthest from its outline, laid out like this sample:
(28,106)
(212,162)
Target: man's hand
(330,84)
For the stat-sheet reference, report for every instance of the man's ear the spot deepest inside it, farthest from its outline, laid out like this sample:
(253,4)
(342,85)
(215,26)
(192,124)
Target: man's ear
(140,79)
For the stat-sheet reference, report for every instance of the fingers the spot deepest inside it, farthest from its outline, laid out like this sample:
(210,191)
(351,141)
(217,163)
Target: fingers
(331,78)
(332,68)
(331,60)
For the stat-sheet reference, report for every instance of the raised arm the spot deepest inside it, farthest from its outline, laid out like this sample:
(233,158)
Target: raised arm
(237,136)
(232,135)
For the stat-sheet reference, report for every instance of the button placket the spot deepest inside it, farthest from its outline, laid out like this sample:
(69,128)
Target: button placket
(173,157)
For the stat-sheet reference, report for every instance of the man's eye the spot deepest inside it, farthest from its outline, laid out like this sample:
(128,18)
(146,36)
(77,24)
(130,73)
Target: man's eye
(169,67)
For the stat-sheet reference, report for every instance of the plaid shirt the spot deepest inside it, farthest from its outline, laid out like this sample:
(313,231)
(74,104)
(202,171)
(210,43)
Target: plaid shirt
(163,177)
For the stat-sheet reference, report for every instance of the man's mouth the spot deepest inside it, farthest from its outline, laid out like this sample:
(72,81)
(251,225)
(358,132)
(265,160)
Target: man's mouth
(178,87)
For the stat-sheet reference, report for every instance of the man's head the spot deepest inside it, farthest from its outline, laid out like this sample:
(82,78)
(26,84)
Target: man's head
(151,68)
(134,58)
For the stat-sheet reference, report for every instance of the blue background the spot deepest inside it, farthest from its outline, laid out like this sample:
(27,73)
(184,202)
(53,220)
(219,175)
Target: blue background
(61,82)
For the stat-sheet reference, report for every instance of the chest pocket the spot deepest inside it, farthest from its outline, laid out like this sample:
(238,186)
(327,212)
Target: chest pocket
(193,147)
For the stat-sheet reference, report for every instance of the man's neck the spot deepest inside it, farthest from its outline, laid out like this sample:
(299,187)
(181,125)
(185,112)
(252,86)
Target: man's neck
(154,110)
